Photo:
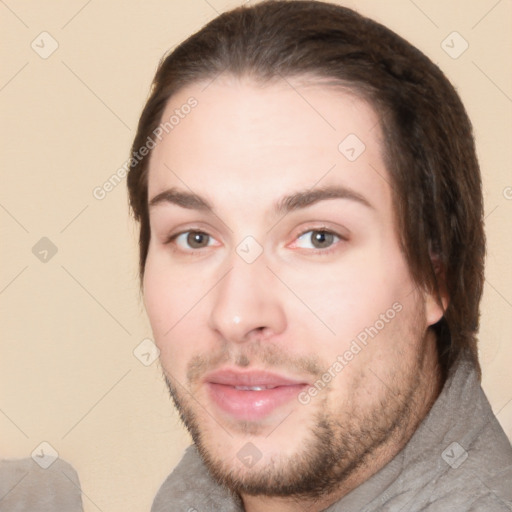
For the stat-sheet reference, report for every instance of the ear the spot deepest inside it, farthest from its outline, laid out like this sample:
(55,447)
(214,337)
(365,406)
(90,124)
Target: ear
(436,301)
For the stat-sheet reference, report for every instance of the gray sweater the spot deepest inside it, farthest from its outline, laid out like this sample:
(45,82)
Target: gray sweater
(459,459)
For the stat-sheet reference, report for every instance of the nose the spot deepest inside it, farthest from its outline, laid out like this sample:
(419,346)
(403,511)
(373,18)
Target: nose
(247,303)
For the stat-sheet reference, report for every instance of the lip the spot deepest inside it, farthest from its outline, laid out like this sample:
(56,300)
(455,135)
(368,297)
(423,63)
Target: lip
(230,391)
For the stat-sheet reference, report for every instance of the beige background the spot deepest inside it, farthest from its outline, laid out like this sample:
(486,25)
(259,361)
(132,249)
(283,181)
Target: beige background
(68,375)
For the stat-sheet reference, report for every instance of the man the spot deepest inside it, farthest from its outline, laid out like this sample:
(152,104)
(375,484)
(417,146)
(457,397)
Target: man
(311,255)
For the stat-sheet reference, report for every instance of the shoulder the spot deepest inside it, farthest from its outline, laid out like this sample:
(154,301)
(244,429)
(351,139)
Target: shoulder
(469,454)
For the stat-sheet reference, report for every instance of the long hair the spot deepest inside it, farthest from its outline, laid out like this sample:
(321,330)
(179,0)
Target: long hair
(429,148)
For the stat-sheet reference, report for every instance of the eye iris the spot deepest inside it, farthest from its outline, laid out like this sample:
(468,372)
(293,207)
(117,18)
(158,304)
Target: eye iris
(197,240)
(321,239)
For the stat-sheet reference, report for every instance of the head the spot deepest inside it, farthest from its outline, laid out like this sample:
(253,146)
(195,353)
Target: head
(318,192)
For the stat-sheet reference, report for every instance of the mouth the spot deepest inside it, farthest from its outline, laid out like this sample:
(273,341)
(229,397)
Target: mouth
(251,395)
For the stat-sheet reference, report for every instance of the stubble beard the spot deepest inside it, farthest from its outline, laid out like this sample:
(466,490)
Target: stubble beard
(337,447)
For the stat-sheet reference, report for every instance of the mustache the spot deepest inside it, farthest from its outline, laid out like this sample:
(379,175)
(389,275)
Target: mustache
(264,356)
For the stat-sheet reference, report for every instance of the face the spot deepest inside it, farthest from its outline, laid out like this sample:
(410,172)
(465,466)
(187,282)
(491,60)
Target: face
(283,307)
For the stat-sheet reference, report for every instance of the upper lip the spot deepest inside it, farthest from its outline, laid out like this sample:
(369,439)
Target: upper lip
(251,378)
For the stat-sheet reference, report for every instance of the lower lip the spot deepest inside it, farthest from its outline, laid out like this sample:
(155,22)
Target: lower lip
(248,405)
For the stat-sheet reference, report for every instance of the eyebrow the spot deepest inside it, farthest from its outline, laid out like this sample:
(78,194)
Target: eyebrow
(309,197)
(296,201)
(187,200)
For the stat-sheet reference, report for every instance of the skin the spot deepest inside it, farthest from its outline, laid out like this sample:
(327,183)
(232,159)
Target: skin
(300,304)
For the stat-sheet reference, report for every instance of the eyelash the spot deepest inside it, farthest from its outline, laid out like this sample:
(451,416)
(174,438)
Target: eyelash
(325,230)
(321,229)
(172,238)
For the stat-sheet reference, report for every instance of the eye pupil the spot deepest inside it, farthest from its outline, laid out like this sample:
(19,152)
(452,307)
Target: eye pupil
(322,239)
(197,240)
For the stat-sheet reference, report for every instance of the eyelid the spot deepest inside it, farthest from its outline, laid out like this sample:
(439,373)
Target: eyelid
(339,231)
(185,227)
(322,229)
(343,237)
(169,239)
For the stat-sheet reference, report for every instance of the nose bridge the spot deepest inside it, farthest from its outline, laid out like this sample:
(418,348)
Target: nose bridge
(245,302)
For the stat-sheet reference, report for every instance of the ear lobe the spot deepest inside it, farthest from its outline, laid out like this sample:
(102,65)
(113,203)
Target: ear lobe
(437,300)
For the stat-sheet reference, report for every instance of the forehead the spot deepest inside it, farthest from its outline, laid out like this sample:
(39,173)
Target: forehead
(250,143)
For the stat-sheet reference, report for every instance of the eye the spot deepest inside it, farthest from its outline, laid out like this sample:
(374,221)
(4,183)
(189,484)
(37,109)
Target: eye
(317,239)
(192,240)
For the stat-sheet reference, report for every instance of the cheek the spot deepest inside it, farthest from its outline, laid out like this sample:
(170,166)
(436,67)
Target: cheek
(171,299)
(349,296)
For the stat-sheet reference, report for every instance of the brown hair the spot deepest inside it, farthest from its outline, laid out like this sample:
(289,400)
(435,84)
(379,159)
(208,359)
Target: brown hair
(430,153)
